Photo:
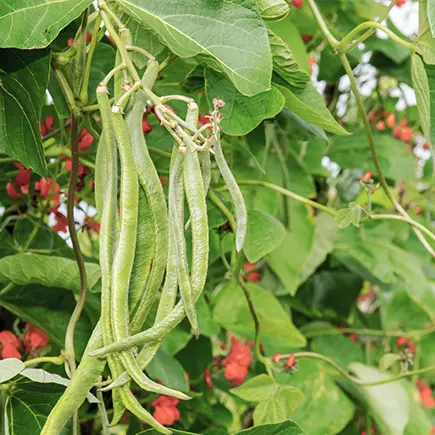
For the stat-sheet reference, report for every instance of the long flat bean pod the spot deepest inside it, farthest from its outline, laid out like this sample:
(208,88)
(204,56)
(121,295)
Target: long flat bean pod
(106,188)
(150,181)
(234,189)
(124,255)
(198,210)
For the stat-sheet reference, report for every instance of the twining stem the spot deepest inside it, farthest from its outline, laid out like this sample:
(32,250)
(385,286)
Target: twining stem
(342,45)
(57,360)
(69,338)
(223,208)
(370,32)
(371,332)
(343,372)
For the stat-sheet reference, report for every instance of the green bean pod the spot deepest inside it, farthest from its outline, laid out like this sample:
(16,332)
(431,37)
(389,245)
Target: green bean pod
(239,203)
(200,237)
(152,185)
(206,170)
(176,178)
(143,253)
(106,186)
(85,377)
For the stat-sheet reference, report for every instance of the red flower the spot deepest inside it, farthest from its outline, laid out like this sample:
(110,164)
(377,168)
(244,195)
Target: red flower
(380,126)
(45,188)
(146,126)
(400,3)
(10,343)
(299,3)
(311,62)
(403,341)
(425,394)
(426,146)
(164,181)
(306,38)
(249,267)
(253,276)
(12,192)
(85,140)
(10,351)
(290,361)
(237,362)
(203,120)
(81,170)
(8,338)
(166,411)
(207,379)
(88,39)
(406,134)
(61,225)
(367,176)
(46,125)
(23,176)
(276,357)
(35,338)
(390,119)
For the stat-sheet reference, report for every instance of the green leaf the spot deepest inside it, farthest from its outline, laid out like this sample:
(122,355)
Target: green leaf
(431,15)
(284,62)
(426,42)
(36,23)
(396,161)
(29,405)
(241,114)
(325,234)
(206,323)
(278,408)
(142,37)
(287,31)
(24,269)
(273,9)
(43,377)
(309,105)
(23,79)
(420,83)
(9,368)
(348,216)
(387,360)
(339,348)
(167,369)
(285,428)
(232,38)
(257,389)
(289,258)
(278,334)
(391,416)
(394,51)
(322,398)
(264,234)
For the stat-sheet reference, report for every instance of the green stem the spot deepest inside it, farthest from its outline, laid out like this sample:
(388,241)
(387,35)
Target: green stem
(67,91)
(58,360)
(323,27)
(342,45)
(6,289)
(370,332)
(69,338)
(223,208)
(370,32)
(357,381)
(91,50)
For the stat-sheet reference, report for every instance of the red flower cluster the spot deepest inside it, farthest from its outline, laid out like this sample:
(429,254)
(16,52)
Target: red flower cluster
(22,181)
(405,342)
(166,411)
(12,346)
(251,273)
(425,394)
(46,125)
(237,362)
(382,121)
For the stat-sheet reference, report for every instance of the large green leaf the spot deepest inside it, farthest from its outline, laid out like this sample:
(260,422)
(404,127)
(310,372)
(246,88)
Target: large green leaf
(241,114)
(322,398)
(24,78)
(391,416)
(264,234)
(231,311)
(285,428)
(426,43)
(420,83)
(430,71)
(309,105)
(290,258)
(168,370)
(9,368)
(29,405)
(279,407)
(262,387)
(284,62)
(231,37)
(36,23)
(396,52)
(24,269)
(396,161)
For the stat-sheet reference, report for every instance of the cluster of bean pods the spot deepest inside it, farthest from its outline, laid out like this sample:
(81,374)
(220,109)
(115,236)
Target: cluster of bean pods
(143,247)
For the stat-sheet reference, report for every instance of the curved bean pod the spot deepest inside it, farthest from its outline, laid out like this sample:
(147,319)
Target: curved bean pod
(143,253)
(239,203)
